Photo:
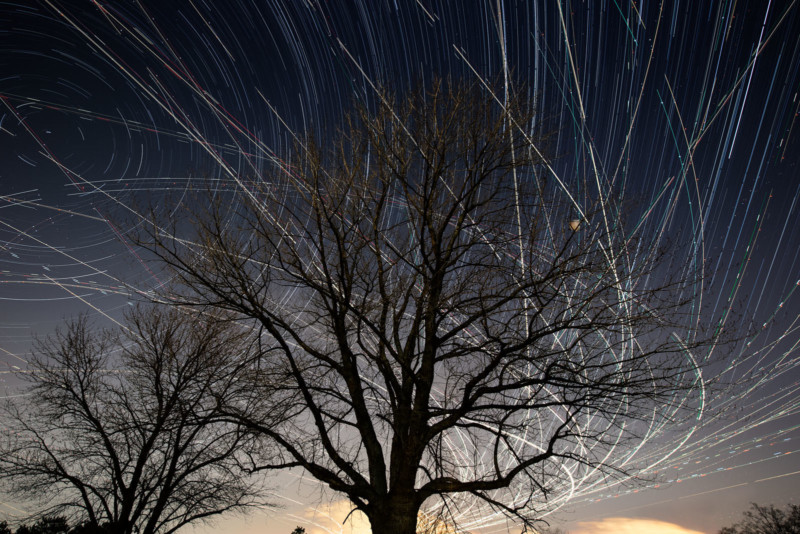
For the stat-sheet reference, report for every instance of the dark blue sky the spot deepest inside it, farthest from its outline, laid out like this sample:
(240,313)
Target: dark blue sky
(687,109)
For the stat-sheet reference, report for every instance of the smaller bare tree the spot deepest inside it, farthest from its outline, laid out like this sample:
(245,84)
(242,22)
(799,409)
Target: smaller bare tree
(121,428)
(767,520)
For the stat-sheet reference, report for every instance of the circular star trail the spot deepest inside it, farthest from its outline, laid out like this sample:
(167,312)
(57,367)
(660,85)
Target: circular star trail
(686,112)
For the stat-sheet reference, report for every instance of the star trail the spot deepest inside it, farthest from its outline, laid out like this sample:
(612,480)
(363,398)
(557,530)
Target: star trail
(687,111)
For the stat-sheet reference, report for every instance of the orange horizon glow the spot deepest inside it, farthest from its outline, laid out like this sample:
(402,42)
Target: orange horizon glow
(627,525)
(328,519)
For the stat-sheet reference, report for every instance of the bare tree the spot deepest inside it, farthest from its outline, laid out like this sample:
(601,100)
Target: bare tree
(445,331)
(119,429)
(767,520)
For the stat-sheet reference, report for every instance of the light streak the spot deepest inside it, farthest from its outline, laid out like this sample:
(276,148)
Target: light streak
(647,98)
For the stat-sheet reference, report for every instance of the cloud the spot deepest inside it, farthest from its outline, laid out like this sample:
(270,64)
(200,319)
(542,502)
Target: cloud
(627,525)
(329,519)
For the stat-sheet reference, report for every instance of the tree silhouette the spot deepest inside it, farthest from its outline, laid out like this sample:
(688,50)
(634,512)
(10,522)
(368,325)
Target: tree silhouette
(46,525)
(767,520)
(119,430)
(439,328)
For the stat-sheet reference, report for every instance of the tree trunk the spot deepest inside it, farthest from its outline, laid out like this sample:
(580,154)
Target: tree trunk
(395,515)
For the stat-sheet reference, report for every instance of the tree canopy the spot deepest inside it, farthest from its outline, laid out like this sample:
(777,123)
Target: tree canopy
(767,520)
(119,429)
(443,330)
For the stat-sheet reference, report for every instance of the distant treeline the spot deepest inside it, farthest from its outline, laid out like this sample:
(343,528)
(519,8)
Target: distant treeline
(56,525)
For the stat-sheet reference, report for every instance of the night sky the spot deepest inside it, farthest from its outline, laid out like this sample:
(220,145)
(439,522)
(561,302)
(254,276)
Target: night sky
(688,110)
